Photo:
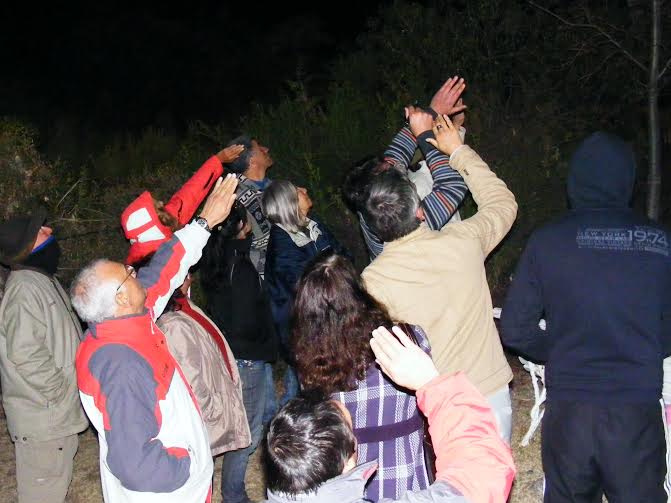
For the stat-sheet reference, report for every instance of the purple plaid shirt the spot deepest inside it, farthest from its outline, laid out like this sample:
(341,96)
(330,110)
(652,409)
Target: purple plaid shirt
(377,402)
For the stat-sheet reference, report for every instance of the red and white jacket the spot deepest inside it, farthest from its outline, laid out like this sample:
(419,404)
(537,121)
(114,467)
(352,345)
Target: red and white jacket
(154,446)
(140,221)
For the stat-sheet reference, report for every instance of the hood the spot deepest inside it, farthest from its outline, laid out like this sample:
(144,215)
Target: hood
(601,173)
(346,488)
(143,228)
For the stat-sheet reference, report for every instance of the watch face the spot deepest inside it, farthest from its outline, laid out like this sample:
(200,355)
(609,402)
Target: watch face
(203,223)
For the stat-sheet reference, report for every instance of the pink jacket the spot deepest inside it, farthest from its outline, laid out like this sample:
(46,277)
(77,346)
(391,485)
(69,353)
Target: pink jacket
(470,454)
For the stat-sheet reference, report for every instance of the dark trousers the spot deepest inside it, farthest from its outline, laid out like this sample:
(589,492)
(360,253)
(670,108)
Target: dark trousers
(588,449)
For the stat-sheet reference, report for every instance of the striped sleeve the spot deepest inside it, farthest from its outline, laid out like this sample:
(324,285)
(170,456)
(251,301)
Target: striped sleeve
(170,264)
(402,148)
(449,188)
(400,152)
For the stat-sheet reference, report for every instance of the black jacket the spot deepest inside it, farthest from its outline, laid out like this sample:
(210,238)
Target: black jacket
(601,277)
(285,263)
(238,303)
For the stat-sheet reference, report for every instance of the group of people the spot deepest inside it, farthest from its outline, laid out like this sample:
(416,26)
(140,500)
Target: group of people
(396,386)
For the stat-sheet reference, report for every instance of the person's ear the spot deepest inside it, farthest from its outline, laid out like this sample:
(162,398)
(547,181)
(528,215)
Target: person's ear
(420,214)
(122,299)
(350,463)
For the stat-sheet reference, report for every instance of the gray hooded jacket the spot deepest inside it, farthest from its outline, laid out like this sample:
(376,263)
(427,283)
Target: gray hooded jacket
(348,488)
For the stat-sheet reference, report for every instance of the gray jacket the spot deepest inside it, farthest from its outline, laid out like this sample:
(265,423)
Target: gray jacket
(39,335)
(348,488)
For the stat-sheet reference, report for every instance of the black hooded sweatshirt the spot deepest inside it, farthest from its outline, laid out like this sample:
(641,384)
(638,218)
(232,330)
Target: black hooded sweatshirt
(601,277)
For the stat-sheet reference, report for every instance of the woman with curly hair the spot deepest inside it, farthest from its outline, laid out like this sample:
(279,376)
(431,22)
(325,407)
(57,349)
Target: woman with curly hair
(332,322)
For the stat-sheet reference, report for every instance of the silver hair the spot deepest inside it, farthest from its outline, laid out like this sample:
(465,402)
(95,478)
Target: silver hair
(93,297)
(280,205)
(391,208)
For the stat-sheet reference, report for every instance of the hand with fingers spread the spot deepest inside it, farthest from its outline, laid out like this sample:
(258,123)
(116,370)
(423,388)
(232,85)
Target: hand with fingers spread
(447,135)
(401,359)
(219,202)
(230,153)
(446,99)
(419,120)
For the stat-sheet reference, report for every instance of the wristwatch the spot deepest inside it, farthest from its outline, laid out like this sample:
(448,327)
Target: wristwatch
(203,223)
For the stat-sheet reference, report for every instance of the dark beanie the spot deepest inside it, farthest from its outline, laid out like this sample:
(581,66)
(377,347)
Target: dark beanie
(18,235)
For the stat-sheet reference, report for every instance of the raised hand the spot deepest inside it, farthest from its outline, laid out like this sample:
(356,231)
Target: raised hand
(401,359)
(219,202)
(418,119)
(230,153)
(445,99)
(447,135)
(459,118)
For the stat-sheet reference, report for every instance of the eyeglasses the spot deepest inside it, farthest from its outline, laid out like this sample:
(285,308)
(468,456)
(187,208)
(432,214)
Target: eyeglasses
(130,271)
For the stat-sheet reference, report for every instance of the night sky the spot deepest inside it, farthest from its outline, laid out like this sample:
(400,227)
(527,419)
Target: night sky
(110,68)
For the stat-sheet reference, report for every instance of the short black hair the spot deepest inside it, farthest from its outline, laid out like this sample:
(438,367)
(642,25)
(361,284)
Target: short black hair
(216,260)
(391,207)
(241,164)
(357,182)
(230,227)
(308,443)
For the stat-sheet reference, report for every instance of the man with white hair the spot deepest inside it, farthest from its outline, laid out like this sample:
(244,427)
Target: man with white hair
(153,443)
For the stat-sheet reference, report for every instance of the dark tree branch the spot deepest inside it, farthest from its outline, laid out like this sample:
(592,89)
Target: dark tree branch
(666,67)
(596,28)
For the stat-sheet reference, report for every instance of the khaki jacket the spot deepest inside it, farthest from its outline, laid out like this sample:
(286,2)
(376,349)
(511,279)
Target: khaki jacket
(39,336)
(219,394)
(437,280)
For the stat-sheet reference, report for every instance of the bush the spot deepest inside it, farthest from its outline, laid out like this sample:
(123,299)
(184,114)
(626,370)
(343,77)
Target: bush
(531,98)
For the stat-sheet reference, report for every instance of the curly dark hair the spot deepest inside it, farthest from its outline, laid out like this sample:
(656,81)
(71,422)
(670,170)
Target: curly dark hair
(332,321)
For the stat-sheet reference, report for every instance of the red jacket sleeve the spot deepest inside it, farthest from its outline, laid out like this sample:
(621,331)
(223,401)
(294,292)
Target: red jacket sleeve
(186,200)
(470,454)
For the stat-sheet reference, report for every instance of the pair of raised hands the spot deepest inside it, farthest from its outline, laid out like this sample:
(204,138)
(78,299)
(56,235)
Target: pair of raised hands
(447,100)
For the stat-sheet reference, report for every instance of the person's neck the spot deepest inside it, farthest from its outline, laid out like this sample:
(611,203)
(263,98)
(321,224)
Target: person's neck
(256,173)
(123,312)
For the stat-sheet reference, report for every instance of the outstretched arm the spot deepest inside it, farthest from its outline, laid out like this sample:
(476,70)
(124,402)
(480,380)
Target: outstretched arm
(449,188)
(470,454)
(497,207)
(185,202)
(171,262)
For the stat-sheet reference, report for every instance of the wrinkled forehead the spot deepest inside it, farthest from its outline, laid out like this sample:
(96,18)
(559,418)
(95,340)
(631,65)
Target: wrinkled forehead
(111,270)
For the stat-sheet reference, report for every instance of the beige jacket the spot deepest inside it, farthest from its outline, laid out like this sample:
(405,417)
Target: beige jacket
(436,279)
(219,393)
(39,336)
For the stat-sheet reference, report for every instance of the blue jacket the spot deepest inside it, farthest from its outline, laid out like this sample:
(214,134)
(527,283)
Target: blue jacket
(601,277)
(285,263)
